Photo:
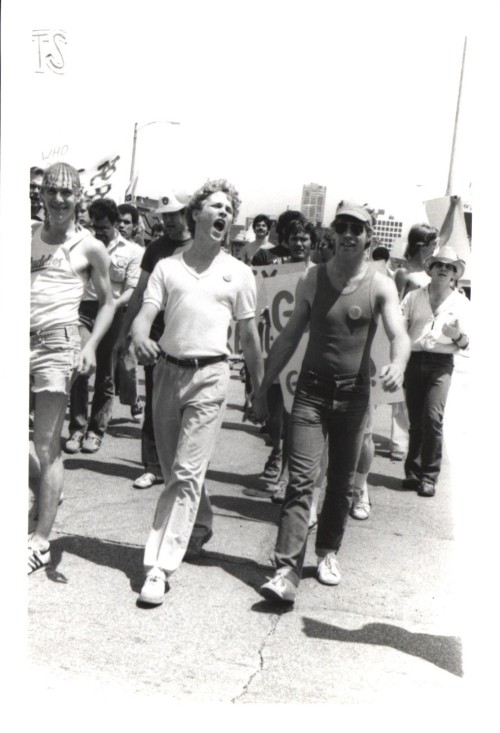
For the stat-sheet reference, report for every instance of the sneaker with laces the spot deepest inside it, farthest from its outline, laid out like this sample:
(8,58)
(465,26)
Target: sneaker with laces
(328,569)
(74,442)
(153,590)
(266,492)
(37,558)
(147,480)
(397,455)
(137,410)
(410,482)
(92,443)
(360,510)
(279,495)
(272,467)
(426,488)
(279,588)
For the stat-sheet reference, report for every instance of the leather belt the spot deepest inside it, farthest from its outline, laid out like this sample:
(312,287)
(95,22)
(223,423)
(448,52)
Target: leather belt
(197,363)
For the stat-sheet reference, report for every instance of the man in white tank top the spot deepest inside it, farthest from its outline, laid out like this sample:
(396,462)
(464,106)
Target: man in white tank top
(63,258)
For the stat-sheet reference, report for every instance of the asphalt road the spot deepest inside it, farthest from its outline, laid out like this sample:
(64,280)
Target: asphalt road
(392,630)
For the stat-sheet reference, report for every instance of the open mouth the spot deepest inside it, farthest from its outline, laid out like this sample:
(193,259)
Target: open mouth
(219,225)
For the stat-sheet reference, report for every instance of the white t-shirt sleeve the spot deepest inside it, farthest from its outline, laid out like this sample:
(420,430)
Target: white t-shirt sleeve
(156,290)
(246,297)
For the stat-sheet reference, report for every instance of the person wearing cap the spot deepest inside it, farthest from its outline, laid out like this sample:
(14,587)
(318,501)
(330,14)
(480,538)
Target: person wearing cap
(175,239)
(437,319)
(238,245)
(341,302)
(64,258)
(87,433)
(200,291)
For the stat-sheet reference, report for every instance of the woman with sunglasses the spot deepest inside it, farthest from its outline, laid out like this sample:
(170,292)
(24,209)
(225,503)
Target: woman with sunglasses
(436,318)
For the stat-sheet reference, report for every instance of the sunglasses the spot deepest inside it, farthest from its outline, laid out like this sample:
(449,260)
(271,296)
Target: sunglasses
(355,227)
(446,265)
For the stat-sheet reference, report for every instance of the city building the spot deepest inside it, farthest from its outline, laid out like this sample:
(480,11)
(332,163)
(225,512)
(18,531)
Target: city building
(386,229)
(313,203)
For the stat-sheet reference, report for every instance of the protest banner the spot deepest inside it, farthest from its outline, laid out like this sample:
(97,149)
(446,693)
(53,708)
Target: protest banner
(97,181)
(280,294)
(262,274)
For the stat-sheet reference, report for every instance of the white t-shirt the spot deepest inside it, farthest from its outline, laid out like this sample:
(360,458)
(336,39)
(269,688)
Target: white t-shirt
(199,307)
(425,328)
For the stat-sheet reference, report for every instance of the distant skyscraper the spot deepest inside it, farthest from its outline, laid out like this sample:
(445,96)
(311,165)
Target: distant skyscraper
(386,229)
(313,203)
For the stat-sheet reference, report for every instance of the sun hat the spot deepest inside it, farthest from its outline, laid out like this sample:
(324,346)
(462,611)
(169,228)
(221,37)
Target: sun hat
(447,255)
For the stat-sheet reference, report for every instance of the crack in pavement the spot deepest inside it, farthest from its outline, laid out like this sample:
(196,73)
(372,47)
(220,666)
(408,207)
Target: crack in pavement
(270,633)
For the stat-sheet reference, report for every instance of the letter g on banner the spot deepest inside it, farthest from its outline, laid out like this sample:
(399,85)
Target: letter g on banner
(280,313)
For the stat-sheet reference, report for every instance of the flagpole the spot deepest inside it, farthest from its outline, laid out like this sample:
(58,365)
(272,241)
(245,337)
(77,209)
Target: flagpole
(452,159)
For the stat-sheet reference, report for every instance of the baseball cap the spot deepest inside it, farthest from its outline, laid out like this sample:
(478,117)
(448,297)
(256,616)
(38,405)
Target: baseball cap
(172,202)
(357,211)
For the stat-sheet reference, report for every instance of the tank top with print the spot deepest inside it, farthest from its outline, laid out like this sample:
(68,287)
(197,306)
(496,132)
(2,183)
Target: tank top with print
(342,327)
(56,289)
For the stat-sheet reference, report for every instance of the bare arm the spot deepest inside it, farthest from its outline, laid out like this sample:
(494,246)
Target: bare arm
(146,349)
(124,298)
(387,300)
(250,343)
(99,273)
(133,308)
(400,278)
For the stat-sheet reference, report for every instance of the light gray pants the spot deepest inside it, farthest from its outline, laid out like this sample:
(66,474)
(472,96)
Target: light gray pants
(188,407)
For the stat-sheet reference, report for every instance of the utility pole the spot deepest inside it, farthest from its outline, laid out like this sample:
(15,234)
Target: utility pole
(134,141)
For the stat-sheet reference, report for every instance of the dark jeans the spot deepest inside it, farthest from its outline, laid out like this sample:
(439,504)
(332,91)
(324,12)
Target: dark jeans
(427,381)
(149,454)
(324,406)
(104,385)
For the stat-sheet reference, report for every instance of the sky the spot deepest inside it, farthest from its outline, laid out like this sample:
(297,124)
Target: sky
(356,98)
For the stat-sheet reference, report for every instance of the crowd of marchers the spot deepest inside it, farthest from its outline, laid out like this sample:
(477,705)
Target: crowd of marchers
(103,301)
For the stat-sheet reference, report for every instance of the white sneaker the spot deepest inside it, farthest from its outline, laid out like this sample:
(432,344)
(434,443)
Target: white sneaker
(153,590)
(328,569)
(147,480)
(37,558)
(360,510)
(279,588)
